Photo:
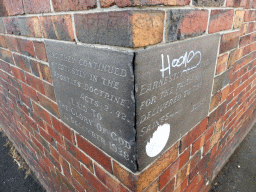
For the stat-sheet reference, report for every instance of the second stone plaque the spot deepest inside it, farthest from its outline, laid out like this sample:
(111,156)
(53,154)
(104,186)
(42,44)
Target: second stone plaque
(173,87)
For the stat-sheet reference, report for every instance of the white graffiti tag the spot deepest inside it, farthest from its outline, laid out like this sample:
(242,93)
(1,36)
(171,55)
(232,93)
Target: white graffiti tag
(183,60)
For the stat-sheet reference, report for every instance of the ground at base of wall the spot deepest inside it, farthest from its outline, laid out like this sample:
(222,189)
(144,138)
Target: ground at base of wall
(13,179)
(239,173)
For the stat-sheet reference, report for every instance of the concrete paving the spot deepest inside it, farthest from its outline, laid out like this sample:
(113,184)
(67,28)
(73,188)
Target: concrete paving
(239,173)
(13,179)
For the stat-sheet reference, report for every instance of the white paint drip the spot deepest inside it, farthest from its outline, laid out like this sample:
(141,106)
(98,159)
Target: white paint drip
(158,141)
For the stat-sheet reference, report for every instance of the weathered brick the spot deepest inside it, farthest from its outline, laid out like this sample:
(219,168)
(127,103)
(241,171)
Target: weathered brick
(251,27)
(31,93)
(2,41)
(2,27)
(229,41)
(86,161)
(239,18)
(209,3)
(106,179)
(147,28)
(121,28)
(48,104)
(94,182)
(109,3)
(45,72)
(94,152)
(160,2)
(250,15)
(40,50)
(6,56)
(215,100)
(12,25)
(57,27)
(26,47)
(76,5)
(22,62)
(112,28)
(168,174)
(3,11)
(30,26)
(233,3)
(12,43)
(170,186)
(185,23)
(49,91)
(14,7)
(220,20)
(34,82)
(220,81)
(222,63)
(37,6)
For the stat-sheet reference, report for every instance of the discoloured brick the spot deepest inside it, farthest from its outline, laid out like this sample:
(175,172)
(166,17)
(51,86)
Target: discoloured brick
(34,82)
(111,28)
(3,11)
(2,41)
(222,63)
(57,27)
(37,6)
(109,3)
(73,5)
(40,50)
(12,43)
(185,23)
(239,18)
(215,100)
(233,3)
(30,26)
(208,3)
(220,81)
(26,47)
(147,28)
(6,56)
(12,25)
(49,91)
(22,62)
(220,20)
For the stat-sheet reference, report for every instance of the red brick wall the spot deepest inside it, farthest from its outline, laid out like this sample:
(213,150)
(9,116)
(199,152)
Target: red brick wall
(62,159)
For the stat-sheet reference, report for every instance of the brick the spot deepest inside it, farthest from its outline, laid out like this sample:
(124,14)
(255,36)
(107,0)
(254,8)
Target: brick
(2,41)
(12,43)
(147,28)
(233,57)
(43,114)
(107,179)
(30,26)
(86,161)
(3,10)
(184,157)
(45,72)
(40,50)
(251,27)
(6,67)
(215,100)
(239,18)
(19,74)
(37,6)
(245,40)
(34,82)
(170,186)
(221,81)
(182,24)
(209,3)
(220,20)
(157,167)
(112,28)
(14,7)
(225,93)
(28,91)
(153,187)
(109,3)
(49,91)
(94,182)
(233,3)
(67,133)
(222,63)
(2,27)
(250,15)
(22,62)
(77,5)
(12,26)
(168,174)
(94,152)
(57,27)
(182,174)
(229,41)
(49,105)
(127,178)
(26,47)
(6,56)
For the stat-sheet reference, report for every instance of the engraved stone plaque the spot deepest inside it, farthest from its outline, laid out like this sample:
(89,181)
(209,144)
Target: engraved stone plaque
(95,94)
(173,90)
(134,119)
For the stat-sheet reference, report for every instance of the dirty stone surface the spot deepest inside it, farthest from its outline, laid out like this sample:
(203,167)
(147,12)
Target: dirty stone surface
(13,179)
(239,173)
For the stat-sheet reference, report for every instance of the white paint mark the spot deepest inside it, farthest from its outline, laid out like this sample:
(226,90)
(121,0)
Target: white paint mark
(158,141)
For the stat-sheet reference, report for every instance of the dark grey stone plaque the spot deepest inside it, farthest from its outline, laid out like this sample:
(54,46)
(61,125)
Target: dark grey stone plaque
(95,94)
(173,89)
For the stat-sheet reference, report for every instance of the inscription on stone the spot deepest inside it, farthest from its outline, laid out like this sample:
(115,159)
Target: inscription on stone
(173,89)
(95,94)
